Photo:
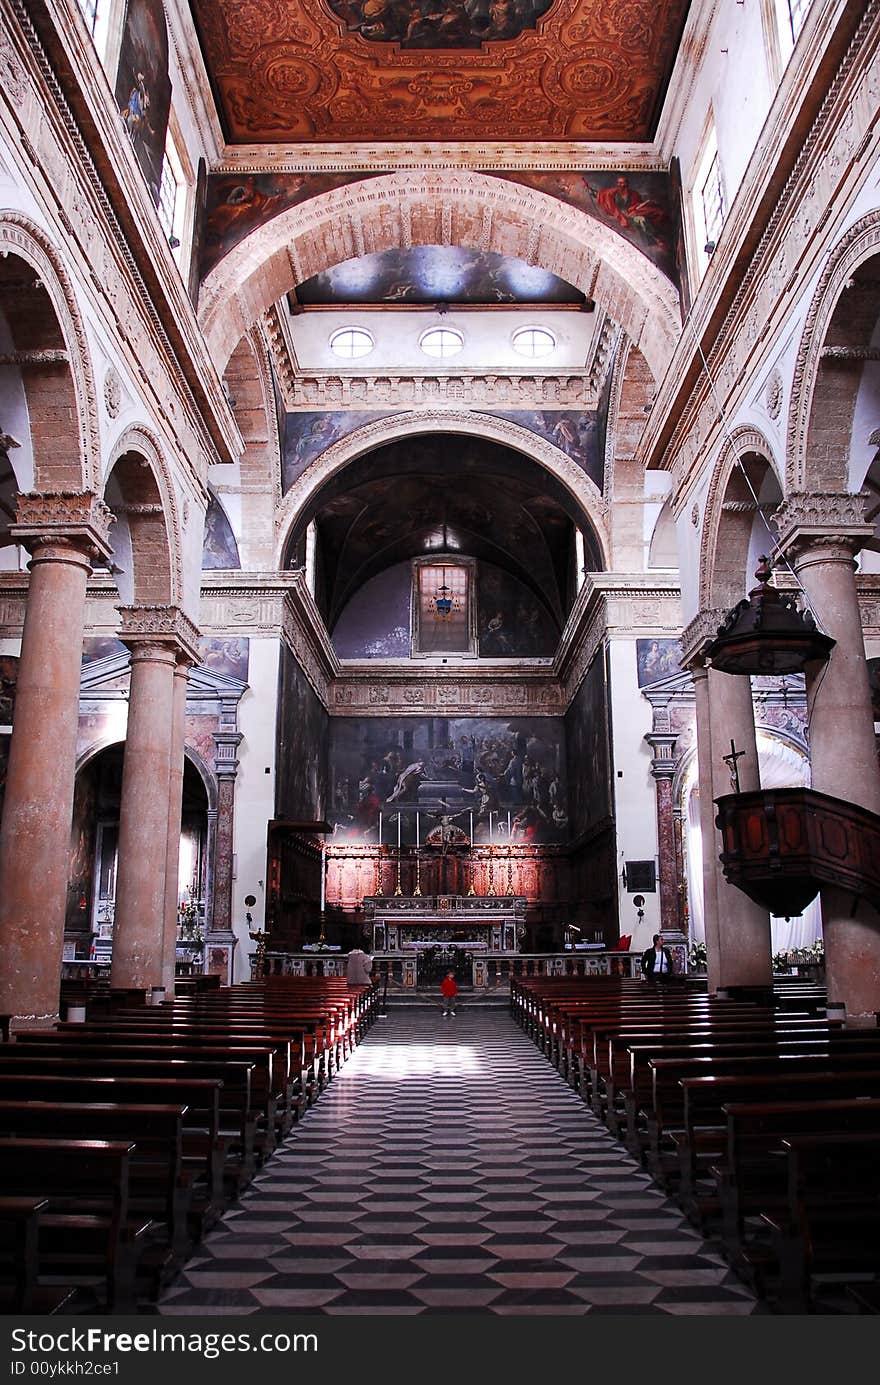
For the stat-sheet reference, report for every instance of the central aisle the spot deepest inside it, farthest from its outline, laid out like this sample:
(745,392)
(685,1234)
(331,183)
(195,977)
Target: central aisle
(448,1168)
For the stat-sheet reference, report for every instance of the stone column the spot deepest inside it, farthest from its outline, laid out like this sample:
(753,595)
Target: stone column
(64,533)
(175,808)
(157,636)
(226,743)
(738,943)
(663,771)
(820,534)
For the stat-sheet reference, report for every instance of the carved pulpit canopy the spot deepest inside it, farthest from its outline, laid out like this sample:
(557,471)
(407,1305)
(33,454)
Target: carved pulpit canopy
(767,633)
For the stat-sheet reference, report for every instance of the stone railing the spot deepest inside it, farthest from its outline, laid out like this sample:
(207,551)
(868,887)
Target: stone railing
(487,969)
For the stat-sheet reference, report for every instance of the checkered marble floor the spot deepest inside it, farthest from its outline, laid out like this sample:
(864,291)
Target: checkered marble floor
(448,1169)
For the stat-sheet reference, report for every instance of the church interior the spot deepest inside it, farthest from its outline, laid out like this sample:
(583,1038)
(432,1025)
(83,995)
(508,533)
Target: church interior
(440,520)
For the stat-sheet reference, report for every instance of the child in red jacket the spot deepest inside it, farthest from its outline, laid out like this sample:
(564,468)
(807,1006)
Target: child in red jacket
(449,991)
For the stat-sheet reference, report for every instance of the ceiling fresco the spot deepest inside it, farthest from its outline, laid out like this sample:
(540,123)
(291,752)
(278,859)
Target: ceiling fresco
(426,274)
(286,71)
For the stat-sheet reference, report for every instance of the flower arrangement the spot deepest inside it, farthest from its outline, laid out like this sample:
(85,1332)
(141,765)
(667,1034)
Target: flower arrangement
(698,957)
(189,920)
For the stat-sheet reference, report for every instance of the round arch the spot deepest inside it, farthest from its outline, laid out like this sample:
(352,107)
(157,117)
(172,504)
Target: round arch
(804,472)
(439,208)
(53,471)
(153,518)
(584,491)
(721,584)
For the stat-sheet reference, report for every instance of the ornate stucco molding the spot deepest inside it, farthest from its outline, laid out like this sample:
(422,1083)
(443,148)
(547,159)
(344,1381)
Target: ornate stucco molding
(375,693)
(751,307)
(698,634)
(124,257)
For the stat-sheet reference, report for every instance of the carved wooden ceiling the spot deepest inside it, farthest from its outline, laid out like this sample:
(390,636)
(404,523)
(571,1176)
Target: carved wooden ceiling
(287,71)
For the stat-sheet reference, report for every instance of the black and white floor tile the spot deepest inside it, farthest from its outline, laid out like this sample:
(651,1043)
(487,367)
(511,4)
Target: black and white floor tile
(447,1168)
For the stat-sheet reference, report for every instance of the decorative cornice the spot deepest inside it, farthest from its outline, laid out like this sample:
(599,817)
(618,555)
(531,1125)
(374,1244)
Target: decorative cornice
(110,214)
(375,693)
(481,158)
(80,518)
(697,635)
(736,310)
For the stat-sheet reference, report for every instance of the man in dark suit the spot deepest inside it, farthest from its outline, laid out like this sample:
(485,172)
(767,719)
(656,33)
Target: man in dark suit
(657,961)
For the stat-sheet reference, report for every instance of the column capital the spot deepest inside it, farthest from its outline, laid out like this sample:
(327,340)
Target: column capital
(160,625)
(72,521)
(226,743)
(696,637)
(663,745)
(828,522)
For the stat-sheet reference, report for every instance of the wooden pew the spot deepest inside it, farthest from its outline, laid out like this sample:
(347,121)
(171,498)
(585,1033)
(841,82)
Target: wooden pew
(86,1234)
(667,1112)
(750,1177)
(158,1184)
(238,1118)
(832,1222)
(204,1150)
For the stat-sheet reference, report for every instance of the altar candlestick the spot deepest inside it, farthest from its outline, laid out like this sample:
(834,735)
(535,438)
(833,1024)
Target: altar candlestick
(323,873)
(490,829)
(380,828)
(398,831)
(417,829)
(508,824)
(472,829)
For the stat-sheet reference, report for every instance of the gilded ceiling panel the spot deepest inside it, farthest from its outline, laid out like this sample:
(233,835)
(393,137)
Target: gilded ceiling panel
(367,70)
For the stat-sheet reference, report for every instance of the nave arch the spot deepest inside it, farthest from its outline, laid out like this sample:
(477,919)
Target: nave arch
(366,439)
(462,208)
(48,333)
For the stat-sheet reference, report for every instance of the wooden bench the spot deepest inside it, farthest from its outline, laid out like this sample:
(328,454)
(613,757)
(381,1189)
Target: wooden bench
(831,1225)
(750,1177)
(86,1235)
(159,1185)
(667,1111)
(204,1150)
(238,1118)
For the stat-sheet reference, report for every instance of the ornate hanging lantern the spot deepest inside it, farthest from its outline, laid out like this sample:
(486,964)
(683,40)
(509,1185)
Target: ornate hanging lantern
(766,633)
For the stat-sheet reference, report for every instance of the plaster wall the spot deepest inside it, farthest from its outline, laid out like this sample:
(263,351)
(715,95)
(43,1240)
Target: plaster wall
(254,794)
(635,808)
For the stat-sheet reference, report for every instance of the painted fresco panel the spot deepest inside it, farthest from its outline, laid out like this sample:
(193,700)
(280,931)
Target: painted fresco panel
(219,549)
(656,659)
(513,623)
(587,742)
(501,775)
(238,205)
(228,655)
(302,747)
(574,432)
(640,206)
(375,624)
(422,24)
(143,87)
(307,435)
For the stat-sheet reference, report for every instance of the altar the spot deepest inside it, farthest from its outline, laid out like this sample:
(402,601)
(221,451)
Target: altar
(478,923)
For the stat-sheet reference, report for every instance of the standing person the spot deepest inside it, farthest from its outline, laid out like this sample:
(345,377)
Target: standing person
(449,992)
(657,961)
(358,967)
